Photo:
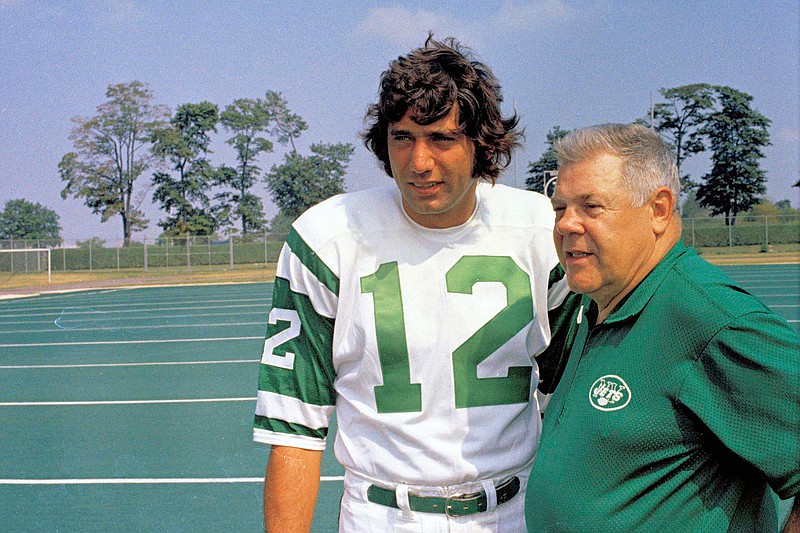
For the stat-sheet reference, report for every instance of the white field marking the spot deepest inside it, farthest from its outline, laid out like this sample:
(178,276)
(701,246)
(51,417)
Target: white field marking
(134,318)
(760,270)
(769,284)
(52,306)
(765,281)
(764,297)
(107,365)
(129,328)
(770,290)
(764,288)
(128,305)
(152,341)
(147,481)
(91,310)
(62,295)
(123,402)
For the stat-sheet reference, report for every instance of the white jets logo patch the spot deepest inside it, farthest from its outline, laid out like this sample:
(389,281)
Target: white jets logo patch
(609,393)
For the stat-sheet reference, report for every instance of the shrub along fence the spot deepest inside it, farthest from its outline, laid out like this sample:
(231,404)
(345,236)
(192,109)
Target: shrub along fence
(197,252)
(179,253)
(762,231)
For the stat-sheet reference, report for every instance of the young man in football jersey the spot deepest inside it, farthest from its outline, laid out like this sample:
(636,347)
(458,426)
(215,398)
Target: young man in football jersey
(415,310)
(679,408)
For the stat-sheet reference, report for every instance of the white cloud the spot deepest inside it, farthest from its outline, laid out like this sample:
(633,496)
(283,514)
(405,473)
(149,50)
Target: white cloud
(521,16)
(408,28)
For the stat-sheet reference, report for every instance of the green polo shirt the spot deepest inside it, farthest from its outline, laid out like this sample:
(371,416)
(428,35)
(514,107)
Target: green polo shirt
(678,413)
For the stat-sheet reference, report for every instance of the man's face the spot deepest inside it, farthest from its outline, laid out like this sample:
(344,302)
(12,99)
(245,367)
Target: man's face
(432,166)
(603,243)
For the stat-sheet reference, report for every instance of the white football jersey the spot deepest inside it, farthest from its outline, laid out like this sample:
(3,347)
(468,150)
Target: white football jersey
(421,339)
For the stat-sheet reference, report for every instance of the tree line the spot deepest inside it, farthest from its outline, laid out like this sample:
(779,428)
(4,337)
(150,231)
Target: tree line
(130,136)
(694,119)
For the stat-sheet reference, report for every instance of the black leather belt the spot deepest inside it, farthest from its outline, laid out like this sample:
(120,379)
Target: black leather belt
(457,505)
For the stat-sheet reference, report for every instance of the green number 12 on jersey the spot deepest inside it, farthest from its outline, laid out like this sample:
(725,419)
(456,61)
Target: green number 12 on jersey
(398,394)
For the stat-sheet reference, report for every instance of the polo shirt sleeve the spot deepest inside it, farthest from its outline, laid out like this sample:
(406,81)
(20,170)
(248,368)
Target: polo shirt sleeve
(745,388)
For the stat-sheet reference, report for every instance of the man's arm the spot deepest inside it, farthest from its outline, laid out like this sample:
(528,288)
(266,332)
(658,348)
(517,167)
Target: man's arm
(290,489)
(793,522)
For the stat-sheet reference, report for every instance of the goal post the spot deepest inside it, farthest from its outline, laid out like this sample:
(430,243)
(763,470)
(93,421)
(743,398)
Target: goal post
(22,263)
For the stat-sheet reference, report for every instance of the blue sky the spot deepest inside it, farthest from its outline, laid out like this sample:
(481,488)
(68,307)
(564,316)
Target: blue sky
(563,62)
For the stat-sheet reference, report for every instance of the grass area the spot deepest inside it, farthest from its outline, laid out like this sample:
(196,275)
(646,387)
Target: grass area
(742,255)
(32,283)
(81,279)
(752,259)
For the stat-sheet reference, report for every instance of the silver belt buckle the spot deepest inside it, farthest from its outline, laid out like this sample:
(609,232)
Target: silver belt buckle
(463,509)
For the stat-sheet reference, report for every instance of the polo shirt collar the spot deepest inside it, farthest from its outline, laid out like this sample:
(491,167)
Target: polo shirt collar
(635,301)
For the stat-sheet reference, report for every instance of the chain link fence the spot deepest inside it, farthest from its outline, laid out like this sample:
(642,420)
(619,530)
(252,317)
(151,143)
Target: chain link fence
(761,233)
(748,234)
(185,253)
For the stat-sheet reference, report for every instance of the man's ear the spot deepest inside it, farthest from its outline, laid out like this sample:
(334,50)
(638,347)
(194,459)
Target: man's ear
(662,209)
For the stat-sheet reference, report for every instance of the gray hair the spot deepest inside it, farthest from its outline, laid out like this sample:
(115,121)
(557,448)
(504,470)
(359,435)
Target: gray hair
(647,161)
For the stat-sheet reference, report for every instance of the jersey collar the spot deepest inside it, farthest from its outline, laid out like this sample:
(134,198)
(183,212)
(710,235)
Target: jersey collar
(636,300)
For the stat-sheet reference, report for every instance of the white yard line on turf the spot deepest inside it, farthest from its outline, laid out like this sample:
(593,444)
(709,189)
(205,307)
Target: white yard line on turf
(122,402)
(150,341)
(105,365)
(145,481)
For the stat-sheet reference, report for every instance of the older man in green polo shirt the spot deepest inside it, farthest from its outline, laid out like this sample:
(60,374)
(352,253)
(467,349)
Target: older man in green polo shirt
(679,407)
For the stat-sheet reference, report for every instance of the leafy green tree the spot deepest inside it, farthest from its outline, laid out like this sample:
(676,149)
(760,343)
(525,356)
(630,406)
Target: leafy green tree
(785,207)
(184,144)
(111,153)
(691,207)
(287,126)
(537,170)
(736,135)
(94,243)
(21,219)
(765,208)
(250,209)
(301,181)
(247,119)
(280,224)
(681,119)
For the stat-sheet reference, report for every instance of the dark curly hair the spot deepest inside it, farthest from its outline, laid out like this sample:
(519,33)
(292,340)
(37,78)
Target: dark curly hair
(427,83)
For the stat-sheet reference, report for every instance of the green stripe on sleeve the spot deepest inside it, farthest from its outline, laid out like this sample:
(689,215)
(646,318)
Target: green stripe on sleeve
(280,426)
(562,335)
(556,275)
(311,379)
(312,261)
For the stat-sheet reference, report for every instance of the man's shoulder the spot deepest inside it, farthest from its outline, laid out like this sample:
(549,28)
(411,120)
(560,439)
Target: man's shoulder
(349,214)
(700,288)
(506,192)
(364,198)
(516,206)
